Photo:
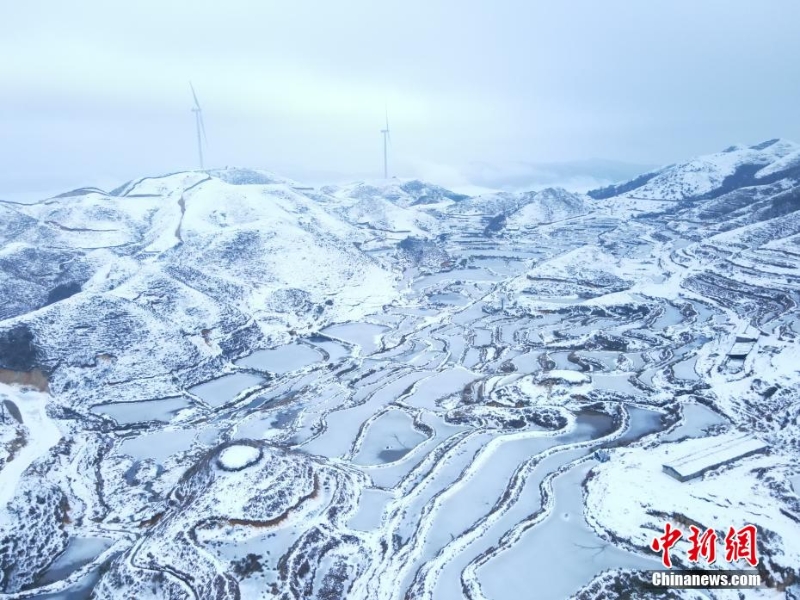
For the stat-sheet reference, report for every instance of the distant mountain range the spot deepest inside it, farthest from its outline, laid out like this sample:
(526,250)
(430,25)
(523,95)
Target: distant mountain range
(577,175)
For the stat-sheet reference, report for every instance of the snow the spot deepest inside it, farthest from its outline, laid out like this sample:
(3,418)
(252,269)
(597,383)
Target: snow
(548,206)
(788,161)
(41,434)
(402,192)
(573,377)
(741,349)
(436,419)
(713,452)
(731,496)
(748,334)
(238,457)
(706,173)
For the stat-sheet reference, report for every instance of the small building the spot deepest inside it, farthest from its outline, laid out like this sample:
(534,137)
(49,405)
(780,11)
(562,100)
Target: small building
(602,455)
(750,334)
(740,350)
(715,452)
(745,342)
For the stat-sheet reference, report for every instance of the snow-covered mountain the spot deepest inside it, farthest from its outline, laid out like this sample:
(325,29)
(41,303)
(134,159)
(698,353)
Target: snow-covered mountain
(715,174)
(576,175)
(512,211)
(381,214)
(226,384)
(404,193)
(187,262)
(743,196)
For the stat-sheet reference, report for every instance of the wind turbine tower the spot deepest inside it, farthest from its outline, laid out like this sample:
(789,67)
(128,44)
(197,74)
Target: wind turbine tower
(386,140)
(201,128)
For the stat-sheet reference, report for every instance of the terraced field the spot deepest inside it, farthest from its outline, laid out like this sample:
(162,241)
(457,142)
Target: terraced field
(447,445)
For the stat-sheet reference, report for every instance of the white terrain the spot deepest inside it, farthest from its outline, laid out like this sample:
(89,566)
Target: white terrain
(225,385)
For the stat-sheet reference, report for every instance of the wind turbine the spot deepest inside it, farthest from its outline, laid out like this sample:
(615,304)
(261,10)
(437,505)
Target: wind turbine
(386,140)
(198,117)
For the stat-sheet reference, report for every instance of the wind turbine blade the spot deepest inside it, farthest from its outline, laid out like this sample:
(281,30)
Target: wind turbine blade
(196,102)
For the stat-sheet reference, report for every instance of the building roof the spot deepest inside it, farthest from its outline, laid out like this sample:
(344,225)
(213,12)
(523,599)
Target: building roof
(717,451)
(749,334)
(741,349)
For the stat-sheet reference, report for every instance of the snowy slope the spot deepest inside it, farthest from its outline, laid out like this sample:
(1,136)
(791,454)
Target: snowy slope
(548,206)
(382,215)
(715,174)
(403,192)
(174,257)
(523,209)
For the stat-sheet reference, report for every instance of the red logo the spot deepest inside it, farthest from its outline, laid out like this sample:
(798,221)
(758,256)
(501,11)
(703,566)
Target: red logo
(739,544)
(665,542)
(704,545)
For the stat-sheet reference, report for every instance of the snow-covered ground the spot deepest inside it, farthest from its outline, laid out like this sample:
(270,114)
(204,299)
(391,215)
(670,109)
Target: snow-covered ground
(39,434)
(228,384)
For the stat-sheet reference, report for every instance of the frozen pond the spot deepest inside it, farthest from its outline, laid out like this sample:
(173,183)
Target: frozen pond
(224,389)
(564,544)
(643,422)
(389,438)
(80,590)
(670,316)
(125,413)
(456,275)
(80,551)
(686,369)
(371,506)
(334,350)
(281,360)
(608,359)
(486,482)
(697,418)
(440,385)
(158,445)
(449,298)
(365,335)
(615,383)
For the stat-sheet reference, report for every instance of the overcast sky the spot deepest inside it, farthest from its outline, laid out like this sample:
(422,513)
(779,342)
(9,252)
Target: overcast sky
(97,92)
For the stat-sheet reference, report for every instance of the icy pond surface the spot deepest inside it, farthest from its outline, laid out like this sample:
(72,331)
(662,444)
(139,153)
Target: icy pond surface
(79,552)
(563,543)
(365,335)
(281,360)
(224,389)
(126,413)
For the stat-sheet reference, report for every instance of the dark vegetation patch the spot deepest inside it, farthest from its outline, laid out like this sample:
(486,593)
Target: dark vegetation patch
(495,225)
(62,291)
(621,188)
(18,349)
(248,565)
